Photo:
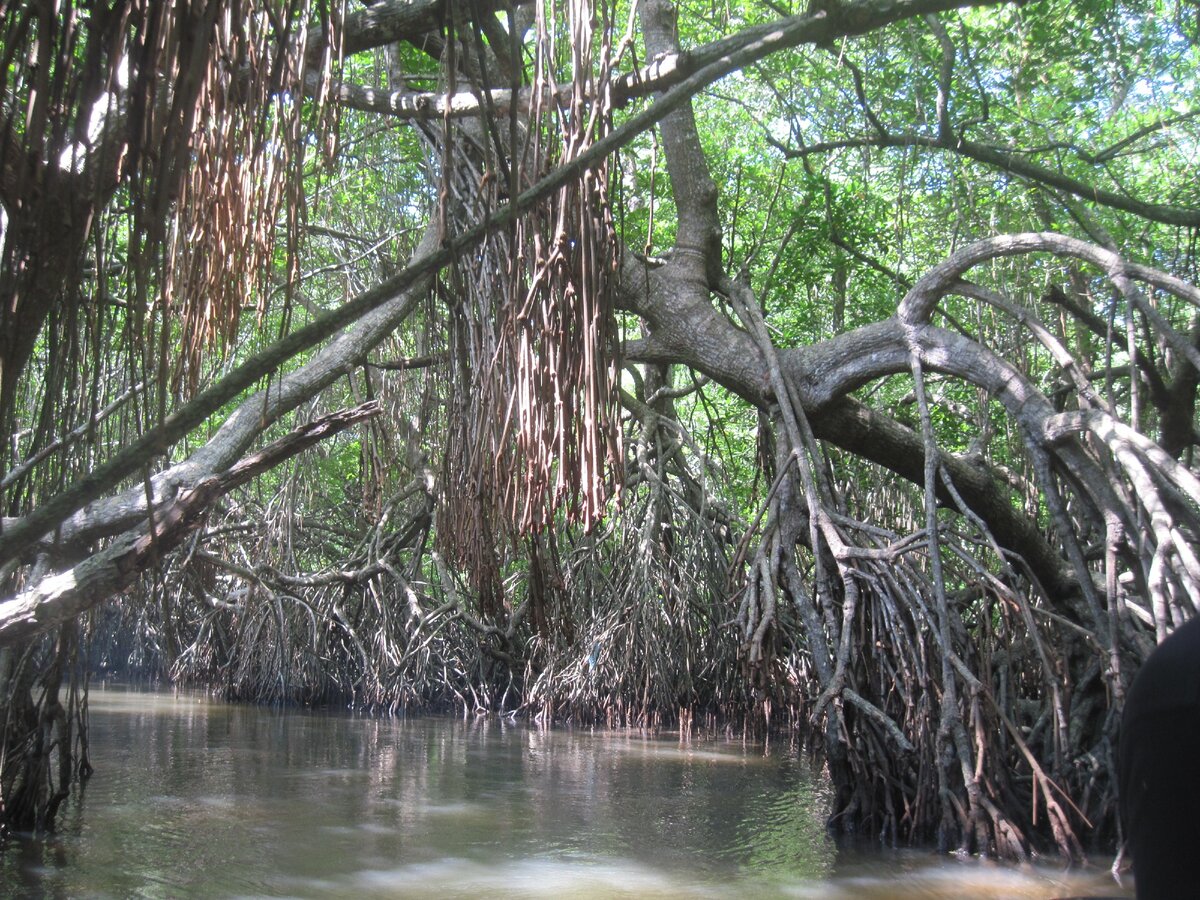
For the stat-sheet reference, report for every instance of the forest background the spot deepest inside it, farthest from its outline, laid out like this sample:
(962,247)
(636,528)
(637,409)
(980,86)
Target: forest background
(830,367)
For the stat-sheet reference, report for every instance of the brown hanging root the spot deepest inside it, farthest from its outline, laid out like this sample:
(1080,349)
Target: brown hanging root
(246,156)
(533,371)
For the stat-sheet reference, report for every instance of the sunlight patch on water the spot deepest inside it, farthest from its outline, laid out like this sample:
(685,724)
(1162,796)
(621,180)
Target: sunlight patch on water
(536,877)
(585,876)
(683,752)
(165,703)
(919,875)
(326,774)
(223,801)
(453,809)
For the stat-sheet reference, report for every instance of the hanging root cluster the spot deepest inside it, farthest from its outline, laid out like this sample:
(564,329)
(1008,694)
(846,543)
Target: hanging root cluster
(149,150)
(240,170)
(534,429)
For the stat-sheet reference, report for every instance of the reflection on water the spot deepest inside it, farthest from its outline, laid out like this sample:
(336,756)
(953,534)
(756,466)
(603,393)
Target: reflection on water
(198,798)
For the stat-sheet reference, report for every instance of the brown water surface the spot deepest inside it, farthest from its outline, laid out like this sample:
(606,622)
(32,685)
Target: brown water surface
(197,798)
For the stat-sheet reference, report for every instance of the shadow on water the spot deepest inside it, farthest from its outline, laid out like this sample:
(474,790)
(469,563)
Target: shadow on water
(198,798)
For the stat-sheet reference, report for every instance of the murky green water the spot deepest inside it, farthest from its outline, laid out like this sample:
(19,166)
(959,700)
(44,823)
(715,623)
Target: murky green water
(194,798)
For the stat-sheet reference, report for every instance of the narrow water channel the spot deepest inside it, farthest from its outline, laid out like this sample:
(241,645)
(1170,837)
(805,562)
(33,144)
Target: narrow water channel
(197,798)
